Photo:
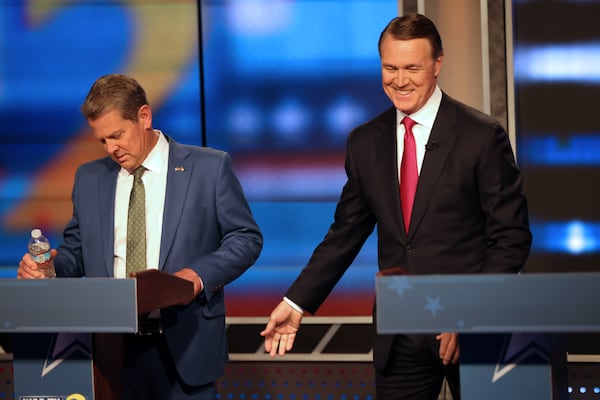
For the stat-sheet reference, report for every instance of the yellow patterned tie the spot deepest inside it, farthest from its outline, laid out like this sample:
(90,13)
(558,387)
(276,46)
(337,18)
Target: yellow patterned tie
(136,225)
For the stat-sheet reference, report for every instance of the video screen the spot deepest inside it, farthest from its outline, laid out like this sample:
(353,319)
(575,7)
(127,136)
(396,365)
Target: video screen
(277,83)
(557,81)
(285,83)
(50,54)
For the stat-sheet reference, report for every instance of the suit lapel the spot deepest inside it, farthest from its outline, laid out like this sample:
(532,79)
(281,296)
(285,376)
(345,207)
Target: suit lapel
(387,165)
(178,178)
(444,133)
(107,185)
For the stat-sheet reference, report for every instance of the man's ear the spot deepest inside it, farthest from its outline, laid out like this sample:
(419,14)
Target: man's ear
(145,116)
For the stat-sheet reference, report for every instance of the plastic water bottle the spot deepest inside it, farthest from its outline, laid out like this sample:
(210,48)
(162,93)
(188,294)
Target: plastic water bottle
(39,248)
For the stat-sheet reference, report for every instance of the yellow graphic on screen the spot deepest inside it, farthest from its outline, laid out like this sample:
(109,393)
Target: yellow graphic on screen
(165,41)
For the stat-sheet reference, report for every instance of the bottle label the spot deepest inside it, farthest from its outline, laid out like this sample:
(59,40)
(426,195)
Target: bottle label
(42,258)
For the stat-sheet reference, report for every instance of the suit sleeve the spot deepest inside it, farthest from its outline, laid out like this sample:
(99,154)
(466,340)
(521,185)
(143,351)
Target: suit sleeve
(352,225)
(504,206)
(68,260)
(240,237)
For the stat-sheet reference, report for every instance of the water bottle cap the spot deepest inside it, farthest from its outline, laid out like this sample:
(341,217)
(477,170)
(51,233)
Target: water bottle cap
(36,233)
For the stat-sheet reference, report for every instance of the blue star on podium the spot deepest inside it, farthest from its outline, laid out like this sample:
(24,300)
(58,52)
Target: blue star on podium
(399,285)
(433,305)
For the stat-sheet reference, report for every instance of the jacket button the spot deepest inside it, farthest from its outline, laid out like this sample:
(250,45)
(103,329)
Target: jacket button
(408,248)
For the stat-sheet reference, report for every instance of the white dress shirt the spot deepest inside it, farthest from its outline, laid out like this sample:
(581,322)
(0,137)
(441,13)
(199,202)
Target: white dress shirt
(424,119)
(155,185)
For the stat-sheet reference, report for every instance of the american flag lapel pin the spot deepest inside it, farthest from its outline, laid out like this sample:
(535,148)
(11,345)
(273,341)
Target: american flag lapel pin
(179,169)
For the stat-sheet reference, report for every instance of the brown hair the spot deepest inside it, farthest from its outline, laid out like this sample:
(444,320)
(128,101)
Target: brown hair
(414,26)
(112,92)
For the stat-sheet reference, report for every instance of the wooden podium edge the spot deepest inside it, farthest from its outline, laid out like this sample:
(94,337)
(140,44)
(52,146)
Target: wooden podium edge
(155,290)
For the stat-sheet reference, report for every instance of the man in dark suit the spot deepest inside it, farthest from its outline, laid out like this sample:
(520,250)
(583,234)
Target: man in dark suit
(198,227)
(469,214)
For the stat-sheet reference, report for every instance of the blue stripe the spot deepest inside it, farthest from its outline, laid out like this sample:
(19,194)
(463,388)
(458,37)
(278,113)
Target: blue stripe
(570,237)
(548,150)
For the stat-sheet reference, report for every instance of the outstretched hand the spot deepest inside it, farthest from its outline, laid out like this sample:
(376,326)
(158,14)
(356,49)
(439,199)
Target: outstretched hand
(281,329)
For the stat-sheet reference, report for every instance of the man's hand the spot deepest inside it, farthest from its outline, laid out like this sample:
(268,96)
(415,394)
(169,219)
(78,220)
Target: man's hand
(29,269)
(449,347)
(190,275)
(281,329)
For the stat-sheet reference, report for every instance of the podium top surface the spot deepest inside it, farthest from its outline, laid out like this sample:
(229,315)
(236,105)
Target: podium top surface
(488,303)
(91,305)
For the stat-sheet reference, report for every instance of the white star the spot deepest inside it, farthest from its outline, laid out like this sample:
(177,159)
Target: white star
(433,305)
(65,345)
(520,347)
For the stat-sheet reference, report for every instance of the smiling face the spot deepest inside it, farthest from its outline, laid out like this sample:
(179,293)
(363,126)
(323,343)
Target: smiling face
(408,72)
(127,142)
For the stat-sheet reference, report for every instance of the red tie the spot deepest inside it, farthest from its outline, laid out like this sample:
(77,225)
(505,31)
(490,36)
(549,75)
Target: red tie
(408,172)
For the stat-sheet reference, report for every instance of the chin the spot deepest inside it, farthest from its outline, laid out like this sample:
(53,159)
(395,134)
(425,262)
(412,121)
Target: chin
(403,105)
(404,109)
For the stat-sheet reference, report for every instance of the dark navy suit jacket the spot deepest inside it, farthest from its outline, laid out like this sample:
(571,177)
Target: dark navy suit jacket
(469,216)
(207,226)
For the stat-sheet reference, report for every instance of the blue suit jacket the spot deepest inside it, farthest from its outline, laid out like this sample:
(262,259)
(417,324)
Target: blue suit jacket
(207,226)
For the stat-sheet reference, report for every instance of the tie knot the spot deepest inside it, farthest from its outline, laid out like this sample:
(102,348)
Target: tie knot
(408,123)
(139,172)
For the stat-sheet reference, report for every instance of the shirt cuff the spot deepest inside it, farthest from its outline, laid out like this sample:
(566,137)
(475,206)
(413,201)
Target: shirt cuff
(293,305)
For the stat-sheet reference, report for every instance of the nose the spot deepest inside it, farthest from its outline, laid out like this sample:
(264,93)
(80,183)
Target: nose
(111,147)
(401,77)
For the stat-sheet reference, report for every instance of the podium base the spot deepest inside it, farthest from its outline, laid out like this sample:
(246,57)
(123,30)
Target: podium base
(53,365)
(513,366)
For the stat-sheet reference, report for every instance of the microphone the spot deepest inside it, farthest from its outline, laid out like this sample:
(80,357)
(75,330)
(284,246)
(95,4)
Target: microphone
(432,146)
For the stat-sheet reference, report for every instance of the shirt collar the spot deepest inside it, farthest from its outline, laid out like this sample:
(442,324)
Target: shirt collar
(154,160)
(425,115)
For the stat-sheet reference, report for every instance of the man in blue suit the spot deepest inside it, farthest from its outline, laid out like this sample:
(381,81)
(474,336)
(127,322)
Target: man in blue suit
(198,227)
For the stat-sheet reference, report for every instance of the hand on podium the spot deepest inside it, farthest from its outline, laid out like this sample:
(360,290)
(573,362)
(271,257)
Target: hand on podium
(157,289)
(190,275)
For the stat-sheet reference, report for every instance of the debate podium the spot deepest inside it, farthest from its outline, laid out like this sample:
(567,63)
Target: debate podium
(67,332)
(512,326)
